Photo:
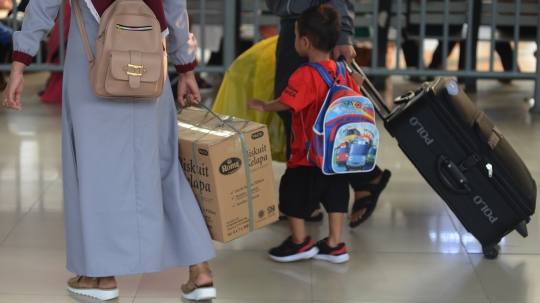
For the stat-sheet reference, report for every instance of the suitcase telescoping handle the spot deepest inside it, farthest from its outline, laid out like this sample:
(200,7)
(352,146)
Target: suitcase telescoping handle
(369,90)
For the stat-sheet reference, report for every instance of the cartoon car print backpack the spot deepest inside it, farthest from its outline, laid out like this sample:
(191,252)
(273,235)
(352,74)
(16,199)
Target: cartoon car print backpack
(345,138)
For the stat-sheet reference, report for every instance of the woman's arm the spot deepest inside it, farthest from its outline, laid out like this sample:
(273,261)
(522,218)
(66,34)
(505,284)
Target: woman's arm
(14,88)
(38,20)
(182,48)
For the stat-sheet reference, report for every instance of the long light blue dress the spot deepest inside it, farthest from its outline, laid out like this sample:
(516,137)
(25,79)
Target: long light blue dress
(128,206)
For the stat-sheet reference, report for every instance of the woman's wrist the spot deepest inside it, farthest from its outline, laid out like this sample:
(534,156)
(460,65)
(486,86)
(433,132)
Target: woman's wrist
(187,74)
(17,67)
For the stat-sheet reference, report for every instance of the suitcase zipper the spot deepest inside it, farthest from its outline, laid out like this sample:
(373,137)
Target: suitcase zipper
(120,28)
(490,169)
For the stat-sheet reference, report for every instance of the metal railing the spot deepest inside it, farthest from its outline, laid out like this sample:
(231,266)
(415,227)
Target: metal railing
(232,14)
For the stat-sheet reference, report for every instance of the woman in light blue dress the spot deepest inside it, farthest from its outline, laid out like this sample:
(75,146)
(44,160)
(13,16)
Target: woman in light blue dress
(128,206)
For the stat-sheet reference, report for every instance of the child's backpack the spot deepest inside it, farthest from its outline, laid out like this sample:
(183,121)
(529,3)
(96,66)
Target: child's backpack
(345,138)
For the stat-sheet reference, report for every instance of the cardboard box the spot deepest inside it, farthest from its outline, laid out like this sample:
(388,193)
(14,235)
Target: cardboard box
(214,161)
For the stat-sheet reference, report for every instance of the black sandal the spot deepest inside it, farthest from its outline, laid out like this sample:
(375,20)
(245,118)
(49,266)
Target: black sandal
(370,202)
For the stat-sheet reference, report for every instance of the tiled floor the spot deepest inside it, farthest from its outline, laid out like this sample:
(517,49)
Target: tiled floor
(413,249)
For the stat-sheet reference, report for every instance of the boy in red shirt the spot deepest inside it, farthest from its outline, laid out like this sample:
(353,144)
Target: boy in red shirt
(304,185)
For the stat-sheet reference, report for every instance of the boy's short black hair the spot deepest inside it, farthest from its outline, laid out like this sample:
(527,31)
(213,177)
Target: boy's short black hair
(321,24)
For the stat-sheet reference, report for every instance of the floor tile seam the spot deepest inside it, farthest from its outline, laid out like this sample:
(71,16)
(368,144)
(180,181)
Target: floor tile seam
(478,277)
(518,254)
(27,212)
(137,288)
(448,210)
(312,278)
(14,227)
(43,192)
(33,246)
(66,295)
(243,250)
(375,216)
(411,253)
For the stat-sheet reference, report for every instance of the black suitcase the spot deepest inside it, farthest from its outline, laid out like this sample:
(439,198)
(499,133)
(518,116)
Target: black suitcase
(463,156)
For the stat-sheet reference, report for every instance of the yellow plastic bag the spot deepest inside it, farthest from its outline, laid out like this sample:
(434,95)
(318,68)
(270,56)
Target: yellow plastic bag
(251,75)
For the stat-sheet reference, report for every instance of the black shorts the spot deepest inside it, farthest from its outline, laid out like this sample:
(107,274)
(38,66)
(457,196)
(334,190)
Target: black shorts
(302,188)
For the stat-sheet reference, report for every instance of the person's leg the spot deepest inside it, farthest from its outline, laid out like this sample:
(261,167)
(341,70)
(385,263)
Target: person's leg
(102,282)
(201,276)
(367,188)
(335,199)
(437,58)
(297,199)
(298,229)
(357,181)
(101,288)
(335,221)
(200,285)
(298,192)
(504,49)
(410,52)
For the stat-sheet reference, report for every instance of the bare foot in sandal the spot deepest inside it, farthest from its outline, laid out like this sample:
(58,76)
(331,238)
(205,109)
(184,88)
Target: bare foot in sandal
(366,200)
(357,215)
(100,288)
(200,285)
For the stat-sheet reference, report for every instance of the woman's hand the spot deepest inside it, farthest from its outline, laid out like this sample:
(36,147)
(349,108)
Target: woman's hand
(188,90)
(14,88)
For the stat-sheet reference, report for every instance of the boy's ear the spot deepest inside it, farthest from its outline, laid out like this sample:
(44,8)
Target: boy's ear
(305,42)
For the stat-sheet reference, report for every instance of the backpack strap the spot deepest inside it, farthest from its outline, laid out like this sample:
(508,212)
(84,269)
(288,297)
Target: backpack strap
(326,76)
(82,30)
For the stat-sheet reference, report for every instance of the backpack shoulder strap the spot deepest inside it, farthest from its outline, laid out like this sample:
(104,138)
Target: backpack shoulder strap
(82,30)
(341,71)
(326,76)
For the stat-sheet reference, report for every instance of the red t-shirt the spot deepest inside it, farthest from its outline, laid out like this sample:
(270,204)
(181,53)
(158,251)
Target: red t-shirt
(305,93)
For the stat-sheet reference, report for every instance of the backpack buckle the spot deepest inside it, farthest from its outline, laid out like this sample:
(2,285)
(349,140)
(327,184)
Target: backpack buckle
(138,70)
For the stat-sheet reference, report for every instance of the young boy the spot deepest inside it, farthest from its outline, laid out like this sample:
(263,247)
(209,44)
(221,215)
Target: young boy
(304,185)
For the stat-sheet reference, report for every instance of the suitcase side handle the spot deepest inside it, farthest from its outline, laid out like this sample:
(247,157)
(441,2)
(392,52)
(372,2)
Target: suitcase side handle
(456,174)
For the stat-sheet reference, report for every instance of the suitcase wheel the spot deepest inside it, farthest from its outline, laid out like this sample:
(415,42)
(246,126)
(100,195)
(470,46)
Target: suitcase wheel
(491,251)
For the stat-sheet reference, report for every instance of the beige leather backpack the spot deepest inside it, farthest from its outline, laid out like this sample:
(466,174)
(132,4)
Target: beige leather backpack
(129,60)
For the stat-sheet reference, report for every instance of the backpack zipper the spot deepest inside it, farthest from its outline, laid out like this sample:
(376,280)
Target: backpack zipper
(120,27)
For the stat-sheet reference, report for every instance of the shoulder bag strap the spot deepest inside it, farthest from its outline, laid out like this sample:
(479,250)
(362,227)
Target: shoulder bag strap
(82,30)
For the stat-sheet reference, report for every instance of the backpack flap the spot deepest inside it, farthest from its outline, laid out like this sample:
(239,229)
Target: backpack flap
(135,70)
